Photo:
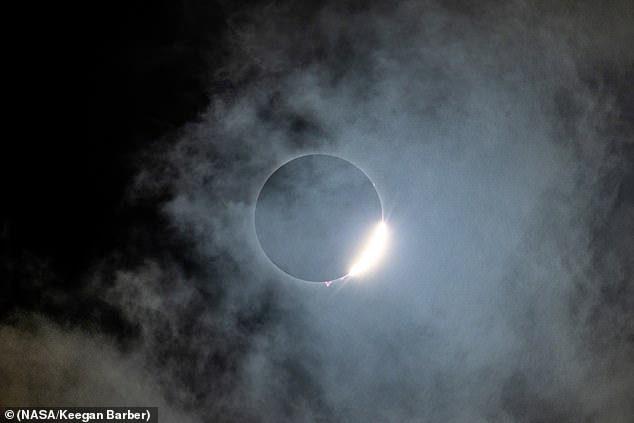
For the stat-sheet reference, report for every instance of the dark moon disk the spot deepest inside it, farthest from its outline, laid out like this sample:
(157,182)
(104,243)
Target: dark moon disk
(313,215)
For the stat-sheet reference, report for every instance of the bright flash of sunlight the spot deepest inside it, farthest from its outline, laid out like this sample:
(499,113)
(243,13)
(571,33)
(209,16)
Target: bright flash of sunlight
(372,251)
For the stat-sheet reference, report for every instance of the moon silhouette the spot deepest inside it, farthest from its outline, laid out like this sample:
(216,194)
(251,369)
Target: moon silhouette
(313,214)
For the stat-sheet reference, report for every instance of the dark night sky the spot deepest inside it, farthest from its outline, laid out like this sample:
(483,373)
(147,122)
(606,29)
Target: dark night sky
(96,86)
(502,138)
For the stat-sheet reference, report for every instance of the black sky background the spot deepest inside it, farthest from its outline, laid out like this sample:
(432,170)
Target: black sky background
(94,84)
(100,98)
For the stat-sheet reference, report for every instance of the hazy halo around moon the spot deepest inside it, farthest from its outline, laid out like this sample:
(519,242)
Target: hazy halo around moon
(313,214)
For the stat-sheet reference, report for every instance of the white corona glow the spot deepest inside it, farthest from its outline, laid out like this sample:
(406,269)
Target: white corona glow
(371,252)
